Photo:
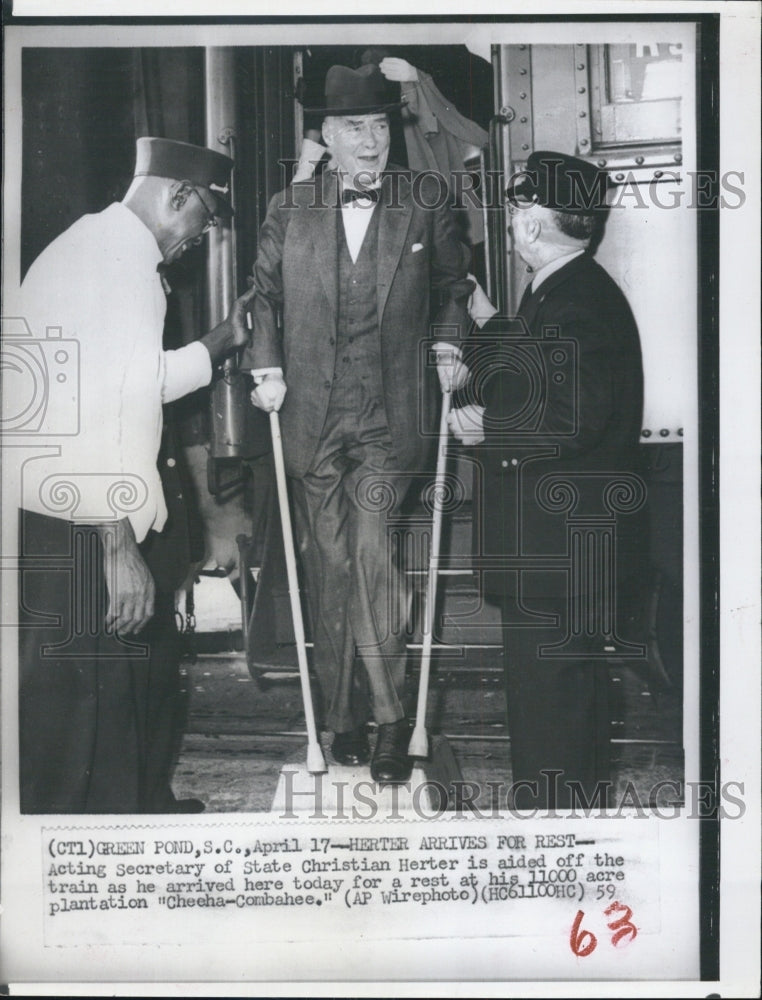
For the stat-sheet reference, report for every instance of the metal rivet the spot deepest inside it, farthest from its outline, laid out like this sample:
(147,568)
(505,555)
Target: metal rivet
(618,177)
(658,174)
(583,114)
(580,65)
(522,48)
(645,433)
(679,432)
(583,142)
(601,163)
(523,119)
(523,95)
(582,90)
(664,432)
(522,72)
(640,160)
(678,158)
(525,145)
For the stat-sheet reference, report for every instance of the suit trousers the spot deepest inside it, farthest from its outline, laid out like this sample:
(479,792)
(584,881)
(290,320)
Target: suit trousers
(97,714)
(558,719)
(342,510)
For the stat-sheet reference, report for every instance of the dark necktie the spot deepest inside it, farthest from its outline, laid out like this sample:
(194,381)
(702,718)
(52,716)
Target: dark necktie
(352,194)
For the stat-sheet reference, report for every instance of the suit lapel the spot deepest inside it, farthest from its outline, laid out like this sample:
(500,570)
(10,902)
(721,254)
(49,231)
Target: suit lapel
(323,225)
(393,225)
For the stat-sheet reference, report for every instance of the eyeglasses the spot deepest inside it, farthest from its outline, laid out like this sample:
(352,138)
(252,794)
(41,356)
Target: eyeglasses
(211,218)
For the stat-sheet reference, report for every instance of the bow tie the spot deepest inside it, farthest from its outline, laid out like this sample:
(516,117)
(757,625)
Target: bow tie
(352,194)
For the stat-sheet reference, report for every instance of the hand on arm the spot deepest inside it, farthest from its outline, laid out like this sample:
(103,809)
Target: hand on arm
(233,331)
(130,585)
(480,309)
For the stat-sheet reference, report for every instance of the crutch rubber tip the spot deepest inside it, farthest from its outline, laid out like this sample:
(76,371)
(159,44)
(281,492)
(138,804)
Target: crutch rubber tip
(419,743)
(315,760)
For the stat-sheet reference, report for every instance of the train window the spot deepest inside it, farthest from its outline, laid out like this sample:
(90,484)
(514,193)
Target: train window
(635,94)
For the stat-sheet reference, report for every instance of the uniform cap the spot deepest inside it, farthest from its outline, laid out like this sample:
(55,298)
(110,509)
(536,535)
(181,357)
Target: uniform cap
(561,182)
(183,161)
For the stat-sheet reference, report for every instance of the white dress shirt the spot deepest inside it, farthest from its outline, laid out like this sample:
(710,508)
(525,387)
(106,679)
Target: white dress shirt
(98,283)
(356,216)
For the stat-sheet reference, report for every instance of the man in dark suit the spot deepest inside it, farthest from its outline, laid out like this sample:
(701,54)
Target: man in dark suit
(353,259)
(556,411)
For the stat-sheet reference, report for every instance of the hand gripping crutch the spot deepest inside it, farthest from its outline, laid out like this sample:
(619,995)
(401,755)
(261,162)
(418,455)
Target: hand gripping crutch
(419,742)
(315,759)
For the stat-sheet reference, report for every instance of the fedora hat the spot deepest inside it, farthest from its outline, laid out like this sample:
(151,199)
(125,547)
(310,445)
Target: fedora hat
(363,91)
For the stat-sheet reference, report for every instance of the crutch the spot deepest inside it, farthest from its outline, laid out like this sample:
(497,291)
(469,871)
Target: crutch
(315,759)
(419,741)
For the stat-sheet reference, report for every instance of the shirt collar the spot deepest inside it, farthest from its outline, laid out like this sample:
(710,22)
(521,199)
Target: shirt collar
(554,265)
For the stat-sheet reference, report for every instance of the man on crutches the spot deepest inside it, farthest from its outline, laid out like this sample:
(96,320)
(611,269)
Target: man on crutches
(351,259)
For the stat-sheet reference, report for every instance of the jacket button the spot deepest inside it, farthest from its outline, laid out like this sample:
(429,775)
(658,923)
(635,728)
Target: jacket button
(504,463)
(171,463)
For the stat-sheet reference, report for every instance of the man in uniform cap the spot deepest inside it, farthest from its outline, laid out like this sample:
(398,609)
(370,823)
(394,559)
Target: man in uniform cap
(556,407)
(352,259)
(84,684)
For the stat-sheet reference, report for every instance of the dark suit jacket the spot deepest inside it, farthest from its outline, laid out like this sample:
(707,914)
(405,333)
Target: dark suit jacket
(421,263)
(563,390)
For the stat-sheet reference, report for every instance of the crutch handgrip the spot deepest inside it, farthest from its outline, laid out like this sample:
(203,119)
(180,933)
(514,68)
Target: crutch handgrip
(315,759)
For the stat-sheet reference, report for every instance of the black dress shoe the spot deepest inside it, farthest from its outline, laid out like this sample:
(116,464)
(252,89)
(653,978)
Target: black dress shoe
(351,748)
(391,764)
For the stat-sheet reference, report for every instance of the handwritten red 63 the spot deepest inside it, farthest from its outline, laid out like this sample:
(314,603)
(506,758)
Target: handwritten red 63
(584,942)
